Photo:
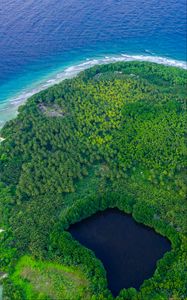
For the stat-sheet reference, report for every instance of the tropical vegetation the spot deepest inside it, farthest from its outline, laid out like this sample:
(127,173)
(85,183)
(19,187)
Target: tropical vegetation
(114,136)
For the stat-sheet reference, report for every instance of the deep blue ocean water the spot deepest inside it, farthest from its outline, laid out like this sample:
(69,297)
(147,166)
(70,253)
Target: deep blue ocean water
(39,39)
(44,41)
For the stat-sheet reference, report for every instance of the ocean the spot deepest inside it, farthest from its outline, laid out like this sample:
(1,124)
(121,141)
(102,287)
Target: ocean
(45,41)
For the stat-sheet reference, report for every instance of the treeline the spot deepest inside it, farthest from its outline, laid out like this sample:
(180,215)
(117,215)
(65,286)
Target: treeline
(118,141)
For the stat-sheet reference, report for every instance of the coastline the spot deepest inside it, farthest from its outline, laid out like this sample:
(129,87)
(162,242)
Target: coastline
(149,71)
(9,107)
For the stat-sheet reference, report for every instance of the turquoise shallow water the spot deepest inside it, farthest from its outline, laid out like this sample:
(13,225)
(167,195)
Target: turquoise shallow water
(41,39)
(45,41)
(27,85)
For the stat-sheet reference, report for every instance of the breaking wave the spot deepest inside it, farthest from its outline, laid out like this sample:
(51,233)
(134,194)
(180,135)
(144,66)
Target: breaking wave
(8,108)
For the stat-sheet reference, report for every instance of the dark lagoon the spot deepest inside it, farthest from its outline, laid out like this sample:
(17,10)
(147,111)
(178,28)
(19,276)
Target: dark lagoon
(129,251)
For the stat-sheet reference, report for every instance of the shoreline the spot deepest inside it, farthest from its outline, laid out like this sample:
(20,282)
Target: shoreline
(9,107)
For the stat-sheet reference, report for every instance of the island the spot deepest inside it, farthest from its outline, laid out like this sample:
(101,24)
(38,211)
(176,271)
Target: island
(109,141)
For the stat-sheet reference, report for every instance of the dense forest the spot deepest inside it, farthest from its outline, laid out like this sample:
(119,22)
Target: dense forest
(114,136)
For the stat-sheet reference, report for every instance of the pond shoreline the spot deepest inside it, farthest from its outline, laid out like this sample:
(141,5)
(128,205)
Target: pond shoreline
(128,250)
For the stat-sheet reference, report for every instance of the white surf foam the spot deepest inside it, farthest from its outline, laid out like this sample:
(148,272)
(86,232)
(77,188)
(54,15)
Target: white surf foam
(70,72)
